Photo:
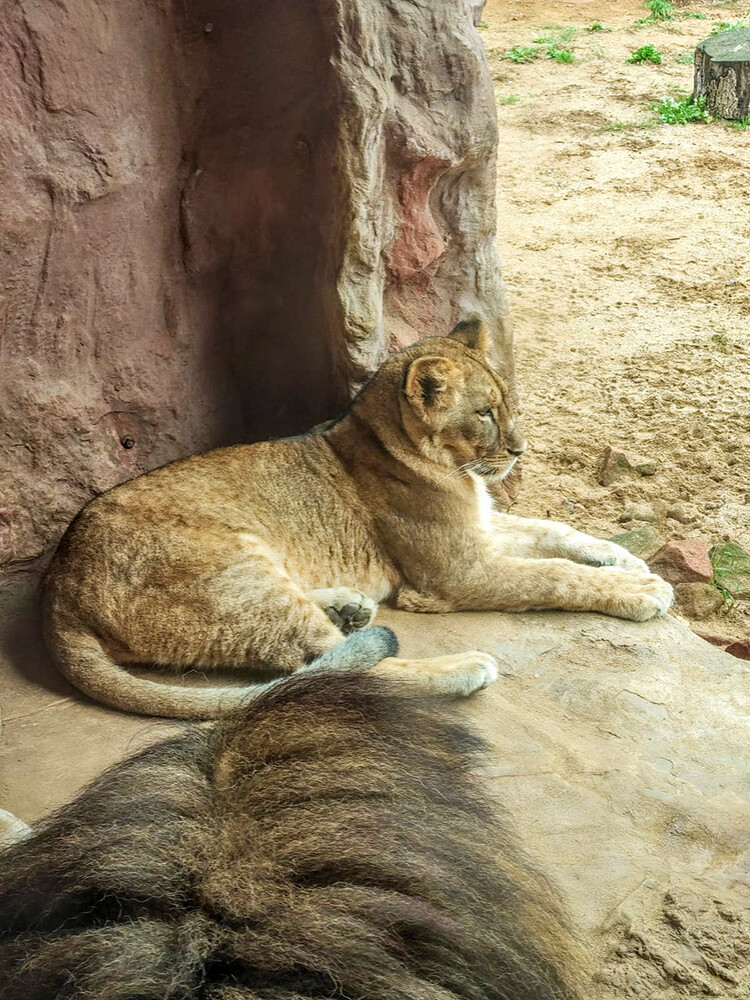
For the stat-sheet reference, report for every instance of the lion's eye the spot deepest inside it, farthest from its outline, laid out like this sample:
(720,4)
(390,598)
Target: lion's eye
(486,412)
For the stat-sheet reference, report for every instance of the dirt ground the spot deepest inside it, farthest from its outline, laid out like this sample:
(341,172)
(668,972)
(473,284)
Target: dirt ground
(626,246)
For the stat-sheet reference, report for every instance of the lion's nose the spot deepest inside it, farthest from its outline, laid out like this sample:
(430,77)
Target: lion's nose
(516,443)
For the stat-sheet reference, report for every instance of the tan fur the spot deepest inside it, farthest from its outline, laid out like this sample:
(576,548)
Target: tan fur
(219,560)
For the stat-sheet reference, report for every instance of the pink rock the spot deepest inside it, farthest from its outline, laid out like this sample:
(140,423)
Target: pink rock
(739,648)
(685,561)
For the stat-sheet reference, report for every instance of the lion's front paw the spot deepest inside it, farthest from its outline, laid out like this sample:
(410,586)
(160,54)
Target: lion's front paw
(473,671)
(640,596)
(627,561)
(596,552)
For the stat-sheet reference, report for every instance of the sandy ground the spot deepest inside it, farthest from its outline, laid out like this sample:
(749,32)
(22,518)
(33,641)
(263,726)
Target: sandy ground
(626,247)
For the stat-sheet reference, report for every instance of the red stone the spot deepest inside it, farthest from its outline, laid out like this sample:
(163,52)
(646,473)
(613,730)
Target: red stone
(739,648)
(685,561)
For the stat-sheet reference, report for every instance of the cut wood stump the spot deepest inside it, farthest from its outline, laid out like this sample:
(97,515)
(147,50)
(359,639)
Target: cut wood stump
(722,73)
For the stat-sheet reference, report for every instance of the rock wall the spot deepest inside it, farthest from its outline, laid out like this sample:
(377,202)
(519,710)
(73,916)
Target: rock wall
(217,218)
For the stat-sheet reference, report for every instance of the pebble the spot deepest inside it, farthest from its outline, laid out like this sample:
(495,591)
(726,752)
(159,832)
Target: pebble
(735,647)
(697,600)
(642,541)
(644,466)
(642,512)
(716,640)
(740,648)
(614,464)
(680,515)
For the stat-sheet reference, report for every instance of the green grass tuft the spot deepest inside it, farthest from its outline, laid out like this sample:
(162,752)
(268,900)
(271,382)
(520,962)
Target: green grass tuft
(741,125)
(556,34)
(681,110)
(686,58)
(550,44)
(523,53)
(596,26)
(482,26)
(560,55)
(661,10)
(509,99)
(719,26)
(646,53)
(721,342)
(696,16)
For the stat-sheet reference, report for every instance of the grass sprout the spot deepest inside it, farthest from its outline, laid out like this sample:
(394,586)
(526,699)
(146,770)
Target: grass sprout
(646,53)
(680,110)
(523,53)
(661,10)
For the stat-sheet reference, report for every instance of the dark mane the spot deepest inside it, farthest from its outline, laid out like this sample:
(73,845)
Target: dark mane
(329,841)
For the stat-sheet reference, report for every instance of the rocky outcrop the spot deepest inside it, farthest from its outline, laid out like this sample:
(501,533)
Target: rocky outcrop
(217,218)
(620,752)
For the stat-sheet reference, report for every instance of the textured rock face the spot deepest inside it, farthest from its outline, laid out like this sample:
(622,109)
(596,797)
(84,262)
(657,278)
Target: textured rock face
(621,753)
(418,143)
(216,219)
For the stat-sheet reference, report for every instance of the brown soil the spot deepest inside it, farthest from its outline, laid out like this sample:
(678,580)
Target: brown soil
(627,261)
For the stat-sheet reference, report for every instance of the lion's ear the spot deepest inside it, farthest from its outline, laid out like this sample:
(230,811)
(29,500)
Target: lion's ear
(432,383)
(473,333)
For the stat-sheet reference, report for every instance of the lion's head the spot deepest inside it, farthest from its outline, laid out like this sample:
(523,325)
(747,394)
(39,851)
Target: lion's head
(456,408)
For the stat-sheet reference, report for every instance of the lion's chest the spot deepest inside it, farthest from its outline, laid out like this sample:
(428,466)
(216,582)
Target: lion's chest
(485,505)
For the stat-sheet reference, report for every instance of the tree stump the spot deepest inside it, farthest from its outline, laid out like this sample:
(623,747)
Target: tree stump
(722,73)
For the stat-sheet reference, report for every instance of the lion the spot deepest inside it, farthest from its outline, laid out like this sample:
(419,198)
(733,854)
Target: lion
(329,840)
(267,555)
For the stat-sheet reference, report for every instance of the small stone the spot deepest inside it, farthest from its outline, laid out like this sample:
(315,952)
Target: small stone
(740,648)
(697,600)
(680,515)
(613,465)
(684,561)
(644,466)
(644,513)
(642,541)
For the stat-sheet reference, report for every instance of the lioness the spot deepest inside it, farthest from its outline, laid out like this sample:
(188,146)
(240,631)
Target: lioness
(264,554)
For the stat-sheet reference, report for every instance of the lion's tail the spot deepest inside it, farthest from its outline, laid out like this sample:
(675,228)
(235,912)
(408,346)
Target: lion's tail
(330,840)
(82,658)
